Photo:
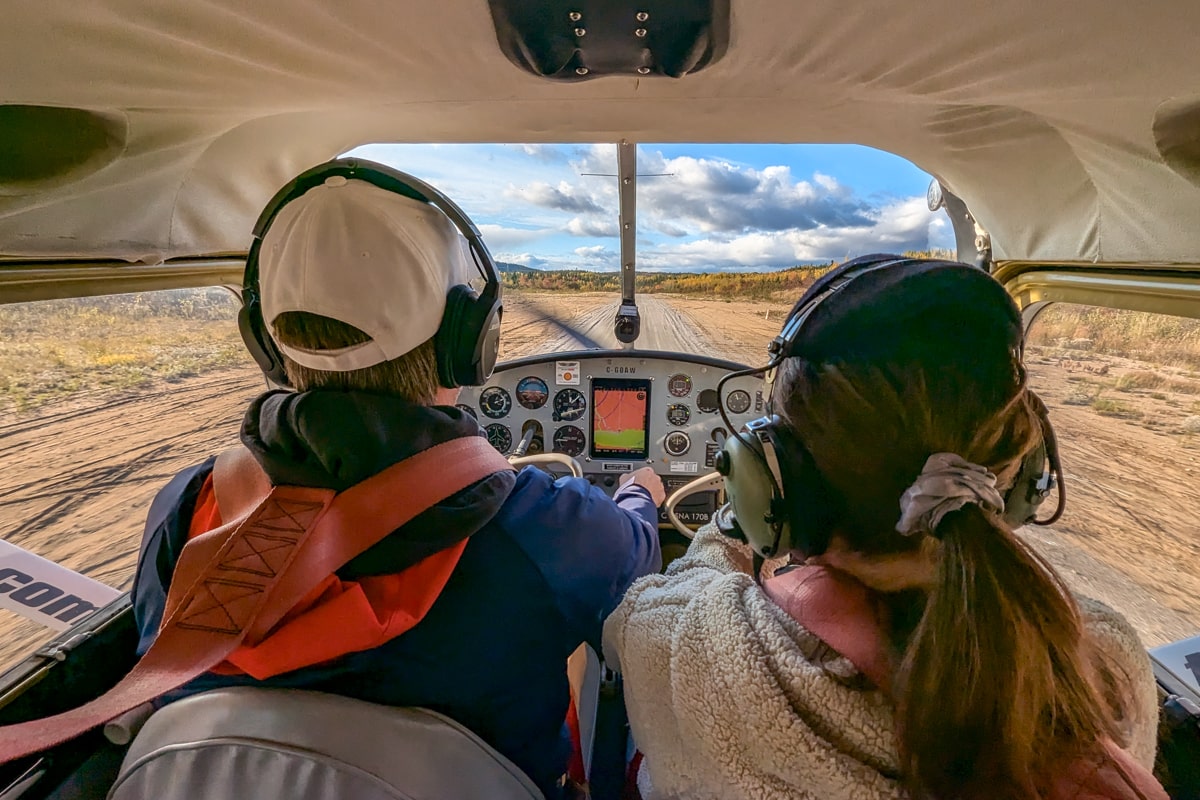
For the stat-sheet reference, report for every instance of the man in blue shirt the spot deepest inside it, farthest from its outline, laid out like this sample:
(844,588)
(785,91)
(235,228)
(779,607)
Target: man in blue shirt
(354,280)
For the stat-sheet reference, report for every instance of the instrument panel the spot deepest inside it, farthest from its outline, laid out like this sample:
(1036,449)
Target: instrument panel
(616,411)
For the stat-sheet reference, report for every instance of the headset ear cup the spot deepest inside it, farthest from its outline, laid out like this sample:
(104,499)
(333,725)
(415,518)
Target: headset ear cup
(468,340)
(446,342)
(489,343)
(1026,495)
(750,489)
(258,341)
(811,506)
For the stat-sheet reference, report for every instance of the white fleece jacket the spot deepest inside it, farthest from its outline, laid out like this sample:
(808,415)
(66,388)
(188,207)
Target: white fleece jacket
(729,697)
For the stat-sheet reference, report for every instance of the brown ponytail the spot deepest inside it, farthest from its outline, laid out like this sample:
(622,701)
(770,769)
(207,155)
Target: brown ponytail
(994,687)
(994,692)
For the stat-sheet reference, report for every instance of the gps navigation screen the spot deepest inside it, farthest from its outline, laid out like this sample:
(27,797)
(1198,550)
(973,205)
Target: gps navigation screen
(620,418)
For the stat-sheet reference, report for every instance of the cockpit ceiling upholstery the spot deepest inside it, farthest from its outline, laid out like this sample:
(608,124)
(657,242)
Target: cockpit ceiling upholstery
(1040,115)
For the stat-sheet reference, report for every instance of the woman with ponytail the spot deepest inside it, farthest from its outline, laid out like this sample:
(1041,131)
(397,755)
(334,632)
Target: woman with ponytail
(925,651)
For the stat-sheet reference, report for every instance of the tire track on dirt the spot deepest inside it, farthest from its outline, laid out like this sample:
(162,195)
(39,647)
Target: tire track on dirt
(664,327)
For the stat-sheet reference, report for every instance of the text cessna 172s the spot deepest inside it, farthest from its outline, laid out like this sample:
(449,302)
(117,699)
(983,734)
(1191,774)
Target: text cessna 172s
(140,140)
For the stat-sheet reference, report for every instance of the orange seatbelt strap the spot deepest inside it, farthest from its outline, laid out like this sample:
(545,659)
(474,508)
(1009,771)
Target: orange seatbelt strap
(235,583)
(337,616)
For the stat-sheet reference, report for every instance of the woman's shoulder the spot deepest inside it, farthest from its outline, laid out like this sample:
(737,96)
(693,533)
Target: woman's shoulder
(1126,677)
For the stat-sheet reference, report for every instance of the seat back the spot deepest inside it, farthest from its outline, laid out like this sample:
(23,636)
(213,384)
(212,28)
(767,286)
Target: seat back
(583,673)
(299,745)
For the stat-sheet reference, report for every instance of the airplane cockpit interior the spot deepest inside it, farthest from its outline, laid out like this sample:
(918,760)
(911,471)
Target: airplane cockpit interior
(1058,150)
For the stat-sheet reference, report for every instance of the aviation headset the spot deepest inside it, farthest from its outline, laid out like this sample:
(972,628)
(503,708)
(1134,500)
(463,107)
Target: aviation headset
(468,338)
(778,498)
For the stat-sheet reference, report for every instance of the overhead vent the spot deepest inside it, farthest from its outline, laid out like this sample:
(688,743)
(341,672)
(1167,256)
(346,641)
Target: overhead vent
(42,147)
(1177,136)
(578,41)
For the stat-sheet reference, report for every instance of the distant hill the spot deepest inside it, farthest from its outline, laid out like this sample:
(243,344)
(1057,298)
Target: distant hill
(505,266)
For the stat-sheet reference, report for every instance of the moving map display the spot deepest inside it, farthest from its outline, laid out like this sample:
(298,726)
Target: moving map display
(620,418)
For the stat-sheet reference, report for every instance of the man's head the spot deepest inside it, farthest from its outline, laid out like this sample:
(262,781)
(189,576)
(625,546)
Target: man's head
(358,279)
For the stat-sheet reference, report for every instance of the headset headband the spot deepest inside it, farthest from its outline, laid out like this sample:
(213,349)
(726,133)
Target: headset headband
(825,287)
(784,501)
(392,180)
(467,340)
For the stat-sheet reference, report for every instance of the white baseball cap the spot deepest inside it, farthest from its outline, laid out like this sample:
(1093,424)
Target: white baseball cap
(365,256)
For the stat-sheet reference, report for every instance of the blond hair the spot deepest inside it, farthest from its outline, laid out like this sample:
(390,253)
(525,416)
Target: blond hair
(412,377)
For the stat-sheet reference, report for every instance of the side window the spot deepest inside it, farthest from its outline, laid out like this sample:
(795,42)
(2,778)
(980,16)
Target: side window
(102,400)
(1123,389)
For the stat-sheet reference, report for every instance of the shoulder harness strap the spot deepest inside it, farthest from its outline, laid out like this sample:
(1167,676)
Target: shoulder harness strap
(234,584)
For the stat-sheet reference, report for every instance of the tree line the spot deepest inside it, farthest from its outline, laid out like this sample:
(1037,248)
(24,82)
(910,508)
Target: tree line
(745,285)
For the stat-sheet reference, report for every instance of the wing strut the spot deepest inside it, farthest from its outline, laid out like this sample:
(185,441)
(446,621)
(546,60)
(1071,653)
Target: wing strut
(628,323)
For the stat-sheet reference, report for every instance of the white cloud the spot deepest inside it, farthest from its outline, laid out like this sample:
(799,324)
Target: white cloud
(498,236)
(712,197)
(828,183)
(709,213)
(547,153)
(564,197)
(592,227)
(899,226)
(597,256)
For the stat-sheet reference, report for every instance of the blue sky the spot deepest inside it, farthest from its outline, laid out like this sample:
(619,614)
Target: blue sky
(722,207)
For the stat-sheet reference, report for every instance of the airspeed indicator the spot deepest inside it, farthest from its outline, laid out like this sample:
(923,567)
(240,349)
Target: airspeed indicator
(495,402)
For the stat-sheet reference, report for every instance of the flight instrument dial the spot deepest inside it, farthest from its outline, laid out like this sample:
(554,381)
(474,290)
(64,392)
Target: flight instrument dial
(569,405)
(569,440)
(495,402)
(500,436)
(532,392)
(677,443)
(679,385)
(738,402)
(678,414)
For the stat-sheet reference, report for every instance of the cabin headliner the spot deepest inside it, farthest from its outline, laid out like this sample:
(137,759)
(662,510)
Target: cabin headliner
(1071,130)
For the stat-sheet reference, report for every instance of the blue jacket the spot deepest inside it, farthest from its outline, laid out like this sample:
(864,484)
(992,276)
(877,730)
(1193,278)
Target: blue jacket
(545,563)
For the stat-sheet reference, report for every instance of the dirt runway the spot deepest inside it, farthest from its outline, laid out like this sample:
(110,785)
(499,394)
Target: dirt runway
(76,479)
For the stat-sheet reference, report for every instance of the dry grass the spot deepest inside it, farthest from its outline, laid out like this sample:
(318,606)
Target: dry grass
(1141,379)
(52,350)
(1158,339)
(1149,361)
(1114,408)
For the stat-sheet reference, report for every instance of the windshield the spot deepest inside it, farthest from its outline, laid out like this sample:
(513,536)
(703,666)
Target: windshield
(102,399)
(727,236)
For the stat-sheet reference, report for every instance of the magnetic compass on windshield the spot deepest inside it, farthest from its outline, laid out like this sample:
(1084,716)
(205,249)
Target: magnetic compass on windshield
(495,402)
(569,405)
